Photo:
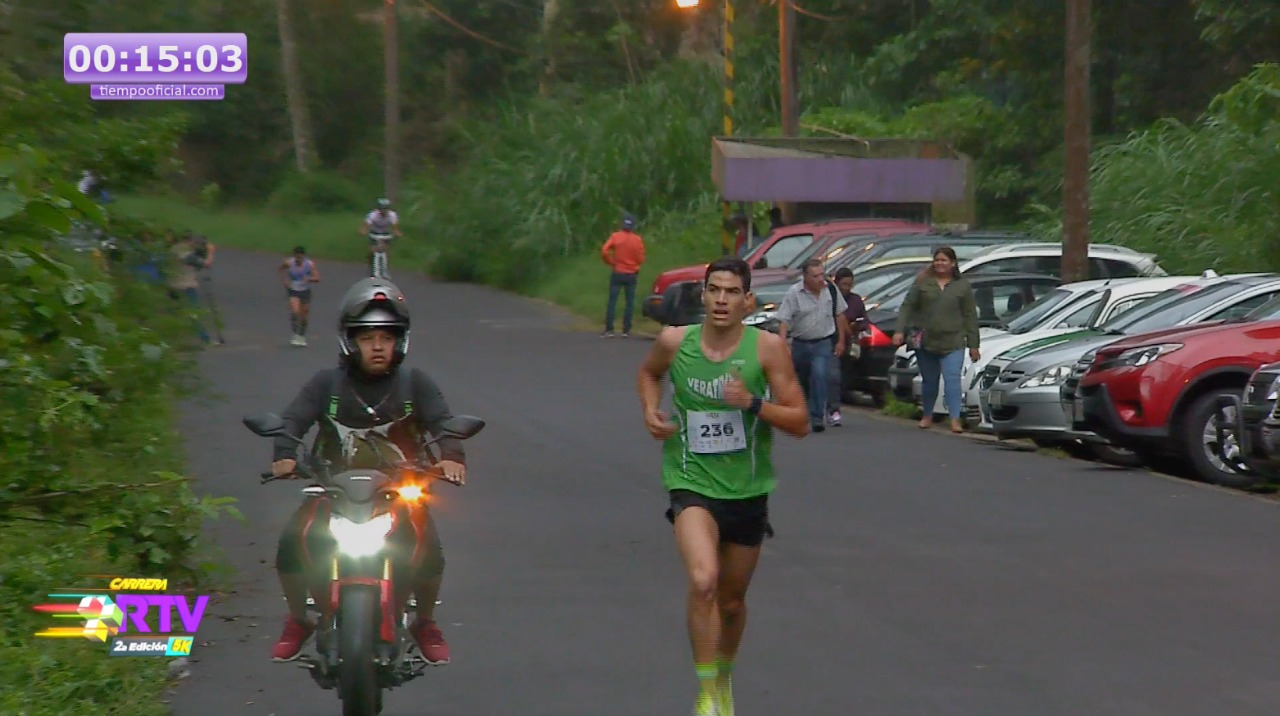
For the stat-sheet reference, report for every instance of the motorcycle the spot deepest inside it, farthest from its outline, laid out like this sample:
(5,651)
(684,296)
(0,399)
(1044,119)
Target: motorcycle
(362,642)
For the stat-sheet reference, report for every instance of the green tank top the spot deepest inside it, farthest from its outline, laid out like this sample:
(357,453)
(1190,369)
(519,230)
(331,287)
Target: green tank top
(719,451)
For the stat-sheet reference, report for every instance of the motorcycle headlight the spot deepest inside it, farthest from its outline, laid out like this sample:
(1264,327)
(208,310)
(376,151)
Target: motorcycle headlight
(360,539)
(1048,377)
(1137,357)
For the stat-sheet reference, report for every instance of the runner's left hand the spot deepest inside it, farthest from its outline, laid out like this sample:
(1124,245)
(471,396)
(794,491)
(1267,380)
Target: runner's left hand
(736,393)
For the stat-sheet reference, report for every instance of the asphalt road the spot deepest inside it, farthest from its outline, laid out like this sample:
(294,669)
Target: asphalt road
(912,573)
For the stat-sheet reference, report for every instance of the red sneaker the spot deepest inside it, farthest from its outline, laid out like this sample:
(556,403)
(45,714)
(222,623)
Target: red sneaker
(290,644)
(430,642)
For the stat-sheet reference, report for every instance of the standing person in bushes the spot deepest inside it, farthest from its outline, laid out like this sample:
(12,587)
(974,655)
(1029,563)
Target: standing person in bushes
(939,318)
(624,252)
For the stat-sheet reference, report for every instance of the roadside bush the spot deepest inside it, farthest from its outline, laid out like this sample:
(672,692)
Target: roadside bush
(318,192)
(1200,196)
(91,462)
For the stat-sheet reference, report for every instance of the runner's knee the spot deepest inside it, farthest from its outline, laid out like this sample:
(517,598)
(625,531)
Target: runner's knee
(703,581)
(732,605)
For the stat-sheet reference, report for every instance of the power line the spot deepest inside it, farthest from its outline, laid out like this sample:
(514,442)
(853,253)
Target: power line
(468,31)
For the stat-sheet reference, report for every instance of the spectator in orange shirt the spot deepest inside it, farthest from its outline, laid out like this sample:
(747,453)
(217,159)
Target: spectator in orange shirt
(624,251)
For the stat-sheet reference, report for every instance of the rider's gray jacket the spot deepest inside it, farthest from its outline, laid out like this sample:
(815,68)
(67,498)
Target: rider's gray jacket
(397,410)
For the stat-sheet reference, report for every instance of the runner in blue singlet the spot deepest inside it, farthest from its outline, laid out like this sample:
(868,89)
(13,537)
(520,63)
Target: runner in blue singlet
(297,273)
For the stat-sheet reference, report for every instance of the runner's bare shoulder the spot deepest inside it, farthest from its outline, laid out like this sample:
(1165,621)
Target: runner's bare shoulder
(669,338)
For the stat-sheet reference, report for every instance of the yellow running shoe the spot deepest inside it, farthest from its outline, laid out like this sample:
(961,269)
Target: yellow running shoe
(724,697)
(705,706)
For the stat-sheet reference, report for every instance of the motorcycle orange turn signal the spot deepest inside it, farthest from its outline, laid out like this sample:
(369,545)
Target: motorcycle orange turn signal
(413,493)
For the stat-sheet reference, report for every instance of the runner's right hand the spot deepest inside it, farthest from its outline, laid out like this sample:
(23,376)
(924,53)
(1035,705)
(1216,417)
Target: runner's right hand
(659,425)
(283,467)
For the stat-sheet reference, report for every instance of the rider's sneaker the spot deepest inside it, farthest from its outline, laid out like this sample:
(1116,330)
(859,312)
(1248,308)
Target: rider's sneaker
(705,706)
(302,341)
(290,644)
(430,642)
(835,418)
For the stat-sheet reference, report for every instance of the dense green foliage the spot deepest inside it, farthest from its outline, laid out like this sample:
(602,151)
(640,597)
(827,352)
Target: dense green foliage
(90,363)
(530,124)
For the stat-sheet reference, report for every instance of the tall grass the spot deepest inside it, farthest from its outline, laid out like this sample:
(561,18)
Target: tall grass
(1200,196)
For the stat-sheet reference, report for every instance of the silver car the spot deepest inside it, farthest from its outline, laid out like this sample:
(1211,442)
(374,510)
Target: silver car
(1024,397)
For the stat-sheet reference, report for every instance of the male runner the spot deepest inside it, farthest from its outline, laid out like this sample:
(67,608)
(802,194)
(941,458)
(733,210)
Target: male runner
(297,273)
(732,385)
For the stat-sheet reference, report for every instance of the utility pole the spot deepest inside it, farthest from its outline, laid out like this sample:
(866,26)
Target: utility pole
(1076,138)
(391,162)
(726,238)
(790,101)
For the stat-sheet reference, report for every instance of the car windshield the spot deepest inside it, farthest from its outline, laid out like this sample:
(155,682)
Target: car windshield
(836,248)
(1168,308)
(1031,317)
(1269,311)
(871,283)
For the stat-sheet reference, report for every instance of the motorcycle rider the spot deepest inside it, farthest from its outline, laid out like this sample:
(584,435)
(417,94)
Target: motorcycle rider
(380,225)
(367,408)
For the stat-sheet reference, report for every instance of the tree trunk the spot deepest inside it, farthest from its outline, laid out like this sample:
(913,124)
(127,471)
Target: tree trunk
(550,9)
(296,97)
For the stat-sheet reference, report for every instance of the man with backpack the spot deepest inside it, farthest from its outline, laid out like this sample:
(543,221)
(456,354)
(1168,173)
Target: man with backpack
(811,315)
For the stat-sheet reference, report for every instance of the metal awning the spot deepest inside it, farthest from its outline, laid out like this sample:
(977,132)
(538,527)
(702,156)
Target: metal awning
(822,170)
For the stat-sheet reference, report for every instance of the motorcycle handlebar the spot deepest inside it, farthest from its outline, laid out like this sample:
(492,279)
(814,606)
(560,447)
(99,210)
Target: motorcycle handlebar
(426,470)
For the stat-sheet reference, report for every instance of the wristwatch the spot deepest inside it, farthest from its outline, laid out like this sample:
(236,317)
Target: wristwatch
(756,403)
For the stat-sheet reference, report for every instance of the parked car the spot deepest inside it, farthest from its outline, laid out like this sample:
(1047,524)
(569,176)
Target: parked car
(1115,261)
(1066,309)
(672,301)
(1169,392)
(1105,260)
(1258,427)
(1200,301)
(998,297)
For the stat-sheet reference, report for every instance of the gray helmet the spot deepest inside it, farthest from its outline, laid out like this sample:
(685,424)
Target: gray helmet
(384,203)
(373,303)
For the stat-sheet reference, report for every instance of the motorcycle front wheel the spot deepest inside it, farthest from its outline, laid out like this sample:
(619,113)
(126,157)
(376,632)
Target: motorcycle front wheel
(358,617)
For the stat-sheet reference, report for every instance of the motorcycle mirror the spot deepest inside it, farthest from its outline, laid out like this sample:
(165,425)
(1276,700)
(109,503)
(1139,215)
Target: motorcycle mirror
(265,424)
(463,426)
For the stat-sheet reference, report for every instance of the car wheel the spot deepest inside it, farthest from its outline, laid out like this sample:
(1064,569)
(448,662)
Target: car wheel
(1210,441)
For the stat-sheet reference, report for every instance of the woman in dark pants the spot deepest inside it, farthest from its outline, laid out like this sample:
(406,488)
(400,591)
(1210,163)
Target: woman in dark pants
(940,304)
(856,312)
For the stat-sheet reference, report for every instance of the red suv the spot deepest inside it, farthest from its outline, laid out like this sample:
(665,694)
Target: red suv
(1165,392)
(785,245)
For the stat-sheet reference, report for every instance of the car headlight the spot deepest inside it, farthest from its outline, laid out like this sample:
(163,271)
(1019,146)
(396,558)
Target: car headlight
(759,317)
(1136,357)
(1047,377)
(360,539)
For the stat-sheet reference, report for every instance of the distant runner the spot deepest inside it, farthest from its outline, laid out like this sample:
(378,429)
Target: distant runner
(381,225)
(297,273)
(732,385)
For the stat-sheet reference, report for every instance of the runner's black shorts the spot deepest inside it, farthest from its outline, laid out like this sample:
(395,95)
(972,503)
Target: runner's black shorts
(303,296)
(743,522)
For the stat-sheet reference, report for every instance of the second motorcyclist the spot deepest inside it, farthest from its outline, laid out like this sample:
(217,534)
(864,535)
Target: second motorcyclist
(369,408)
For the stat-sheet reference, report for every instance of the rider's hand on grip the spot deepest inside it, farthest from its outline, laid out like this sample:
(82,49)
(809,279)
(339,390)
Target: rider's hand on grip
(454,472)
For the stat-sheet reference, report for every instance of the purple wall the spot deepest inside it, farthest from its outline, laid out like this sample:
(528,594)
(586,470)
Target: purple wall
(839,179)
